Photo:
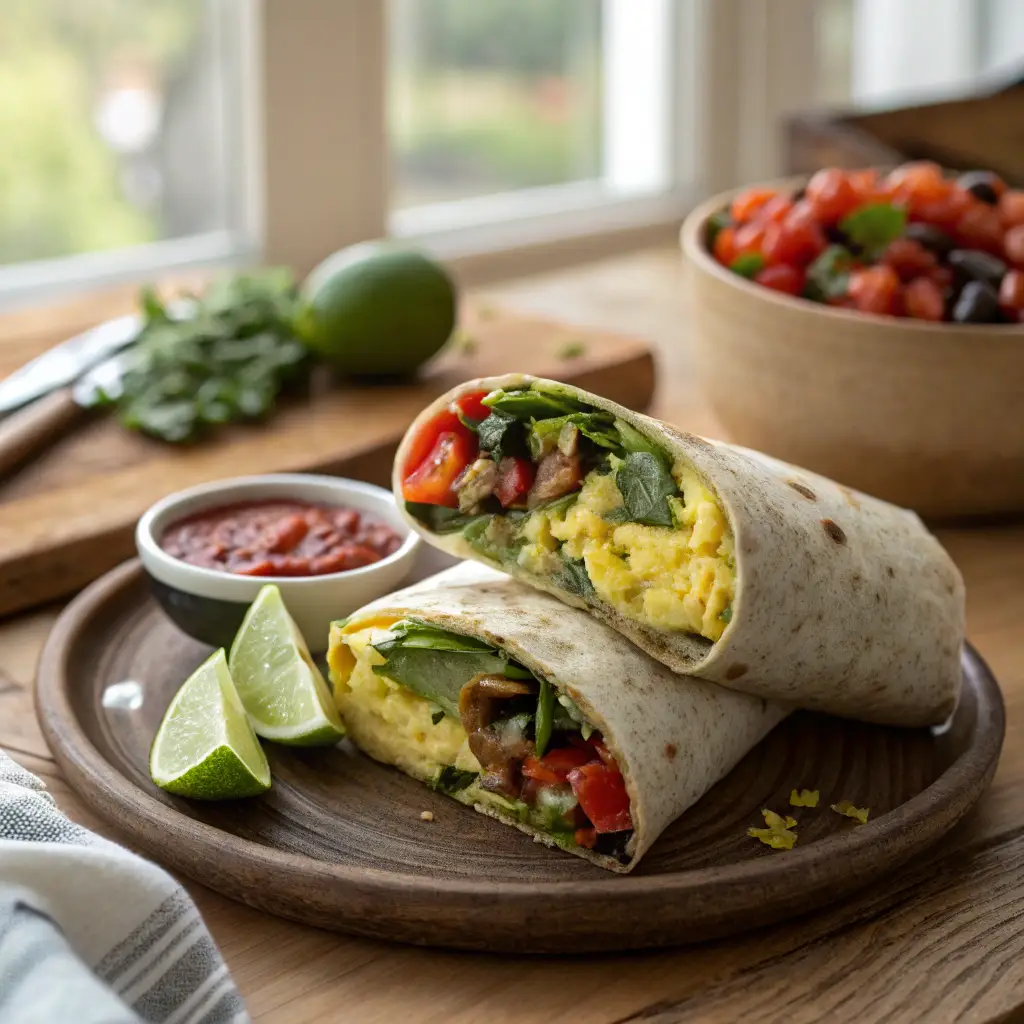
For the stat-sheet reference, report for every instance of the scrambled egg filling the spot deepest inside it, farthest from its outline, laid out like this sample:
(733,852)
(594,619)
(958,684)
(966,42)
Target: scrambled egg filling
(677,579)
(389,722)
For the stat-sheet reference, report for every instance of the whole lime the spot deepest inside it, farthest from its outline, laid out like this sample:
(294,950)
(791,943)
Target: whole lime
(377,309)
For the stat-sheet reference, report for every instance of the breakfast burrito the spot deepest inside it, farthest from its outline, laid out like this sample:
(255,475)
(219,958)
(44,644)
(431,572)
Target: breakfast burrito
(536,714)
(719,562)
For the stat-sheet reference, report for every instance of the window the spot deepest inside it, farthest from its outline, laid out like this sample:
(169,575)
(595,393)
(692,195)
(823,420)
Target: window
(504,110)
(118,132)
(879,53)
(493,97)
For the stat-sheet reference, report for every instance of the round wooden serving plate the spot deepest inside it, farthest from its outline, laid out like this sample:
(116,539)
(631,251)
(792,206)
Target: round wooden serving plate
(338,842)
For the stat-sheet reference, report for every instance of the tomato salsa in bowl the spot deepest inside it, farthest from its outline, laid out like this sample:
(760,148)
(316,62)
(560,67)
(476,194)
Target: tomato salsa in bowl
(329,544)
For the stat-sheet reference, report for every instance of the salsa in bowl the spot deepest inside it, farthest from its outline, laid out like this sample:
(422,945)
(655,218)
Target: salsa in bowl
(330,544)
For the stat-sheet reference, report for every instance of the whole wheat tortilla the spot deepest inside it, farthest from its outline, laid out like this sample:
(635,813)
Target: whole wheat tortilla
(673,739)
(843,604)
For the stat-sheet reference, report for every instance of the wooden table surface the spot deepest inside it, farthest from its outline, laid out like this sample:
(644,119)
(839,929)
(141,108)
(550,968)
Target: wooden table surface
(868,960)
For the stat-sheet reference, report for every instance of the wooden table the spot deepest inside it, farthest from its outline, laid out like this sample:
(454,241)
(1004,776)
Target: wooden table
(869,960)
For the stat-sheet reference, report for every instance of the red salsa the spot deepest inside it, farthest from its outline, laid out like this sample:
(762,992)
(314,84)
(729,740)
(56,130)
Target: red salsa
(280,537)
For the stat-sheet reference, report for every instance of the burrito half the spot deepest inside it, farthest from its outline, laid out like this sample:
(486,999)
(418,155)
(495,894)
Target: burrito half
(534,713)
(718,561)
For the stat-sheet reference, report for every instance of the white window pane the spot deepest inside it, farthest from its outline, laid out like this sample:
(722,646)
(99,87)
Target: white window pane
(116,126)
(881,53)
(494,96)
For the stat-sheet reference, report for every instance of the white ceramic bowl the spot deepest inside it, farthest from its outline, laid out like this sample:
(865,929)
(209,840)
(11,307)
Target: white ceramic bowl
(209,604)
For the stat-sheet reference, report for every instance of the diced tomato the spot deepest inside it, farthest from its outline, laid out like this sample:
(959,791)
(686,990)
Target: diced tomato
(586,837)
(471,406)
(908,258)
(980,227)
(796,240)
(602,794)
(920,178)
(556,764)
(922,300)
(831,195)
(775,209)
(515,478)
(782,278)
(749,238)
(868,186)
(942,276)
(875,289)
(724,248)
(943,211)
(431,482)
(423,442)
(1013,245)
(1011,292)
(747,203)
(1011,208)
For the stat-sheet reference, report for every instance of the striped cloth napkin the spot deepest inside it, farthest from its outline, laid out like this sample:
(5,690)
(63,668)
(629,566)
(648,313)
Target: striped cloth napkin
(91,933)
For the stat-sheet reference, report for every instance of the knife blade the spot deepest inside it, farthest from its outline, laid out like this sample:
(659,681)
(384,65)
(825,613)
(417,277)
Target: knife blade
(66,362)
(63,364)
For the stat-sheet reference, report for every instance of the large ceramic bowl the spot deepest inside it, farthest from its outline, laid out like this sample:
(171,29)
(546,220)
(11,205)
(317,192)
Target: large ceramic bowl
(930,416)
(209,604)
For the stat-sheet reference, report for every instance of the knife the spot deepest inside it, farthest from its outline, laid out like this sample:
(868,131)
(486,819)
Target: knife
(46,397)
(66,362)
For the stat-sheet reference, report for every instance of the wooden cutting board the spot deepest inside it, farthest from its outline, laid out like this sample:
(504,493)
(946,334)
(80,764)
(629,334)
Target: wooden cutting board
(69,516)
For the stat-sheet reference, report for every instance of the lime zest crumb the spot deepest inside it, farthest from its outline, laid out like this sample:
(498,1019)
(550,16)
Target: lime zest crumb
(485,311)
(845,808)
(426,815)
(778,835)
(803,798)
(572,350)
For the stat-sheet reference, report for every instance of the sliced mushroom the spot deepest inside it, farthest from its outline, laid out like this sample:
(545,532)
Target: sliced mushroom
(475,483)
(557,475)
(477,697)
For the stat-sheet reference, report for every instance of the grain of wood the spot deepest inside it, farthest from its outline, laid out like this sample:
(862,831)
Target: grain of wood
(69,515)
(291,973)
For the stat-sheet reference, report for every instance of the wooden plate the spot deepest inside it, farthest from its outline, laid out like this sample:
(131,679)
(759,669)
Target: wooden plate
(339,843)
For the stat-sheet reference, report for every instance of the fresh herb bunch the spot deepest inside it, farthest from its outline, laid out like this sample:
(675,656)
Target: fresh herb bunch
(226,361)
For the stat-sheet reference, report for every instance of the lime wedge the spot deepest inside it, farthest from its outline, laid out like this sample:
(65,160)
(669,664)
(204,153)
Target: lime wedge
(284,694)
(205,747)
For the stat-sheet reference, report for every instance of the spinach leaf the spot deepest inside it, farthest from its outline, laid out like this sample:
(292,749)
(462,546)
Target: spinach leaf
(828,276)
(500,435)
(451,780)
(436,716)
(873,226)
(416,633)
(573,577)
(529,404)
(440,519)
(747,264)
(595,426)
(634,441)
(435,663)
(437,675)
(646,485)
(545,716)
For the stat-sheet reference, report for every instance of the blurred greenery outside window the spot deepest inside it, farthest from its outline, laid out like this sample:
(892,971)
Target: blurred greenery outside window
(493,97)
(115,121)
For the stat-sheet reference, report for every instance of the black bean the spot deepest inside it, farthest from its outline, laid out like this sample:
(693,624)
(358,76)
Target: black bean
(981,185)
(978,304)
(613,844)
(975,265)
(932,238)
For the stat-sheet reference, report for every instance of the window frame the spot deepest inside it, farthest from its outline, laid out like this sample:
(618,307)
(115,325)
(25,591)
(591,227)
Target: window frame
(310,63)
